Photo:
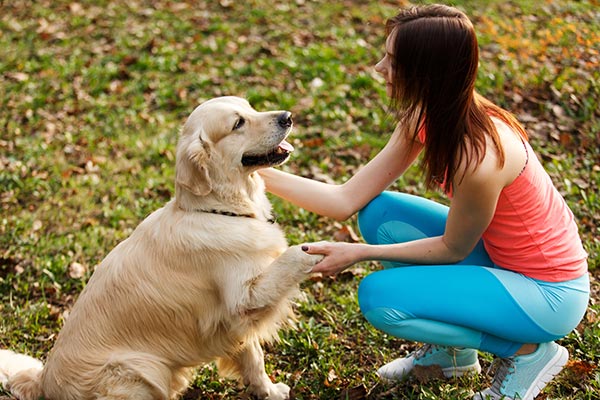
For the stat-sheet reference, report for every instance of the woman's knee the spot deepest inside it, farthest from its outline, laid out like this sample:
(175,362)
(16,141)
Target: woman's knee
(374,307)
(374,292)
(366,294)
(394,217)
(372,216)
(385,216)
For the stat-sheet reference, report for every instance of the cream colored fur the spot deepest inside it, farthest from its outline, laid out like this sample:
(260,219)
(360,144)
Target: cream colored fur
(188,286)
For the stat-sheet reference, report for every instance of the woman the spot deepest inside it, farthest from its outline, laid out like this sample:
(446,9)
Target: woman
(502,270)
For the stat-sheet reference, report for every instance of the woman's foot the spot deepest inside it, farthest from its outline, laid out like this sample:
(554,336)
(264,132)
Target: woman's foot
(522,377)
(453,362)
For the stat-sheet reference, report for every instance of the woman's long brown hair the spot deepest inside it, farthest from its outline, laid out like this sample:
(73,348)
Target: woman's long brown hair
(434,67)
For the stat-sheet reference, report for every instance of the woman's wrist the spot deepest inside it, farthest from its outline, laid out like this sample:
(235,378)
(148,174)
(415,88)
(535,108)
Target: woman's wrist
(362,252)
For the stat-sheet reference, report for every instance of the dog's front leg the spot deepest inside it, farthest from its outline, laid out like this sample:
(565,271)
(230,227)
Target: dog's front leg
(249,364)
(277,281)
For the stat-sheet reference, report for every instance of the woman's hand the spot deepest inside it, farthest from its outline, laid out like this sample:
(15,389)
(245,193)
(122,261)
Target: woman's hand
(337,256)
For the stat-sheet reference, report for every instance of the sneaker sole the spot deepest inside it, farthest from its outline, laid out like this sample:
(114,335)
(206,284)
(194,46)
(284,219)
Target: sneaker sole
(450,372)
(552,369)
(455,372)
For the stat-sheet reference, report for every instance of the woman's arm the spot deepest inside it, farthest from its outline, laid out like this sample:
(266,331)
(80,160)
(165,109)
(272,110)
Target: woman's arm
(471,210)
(344,200)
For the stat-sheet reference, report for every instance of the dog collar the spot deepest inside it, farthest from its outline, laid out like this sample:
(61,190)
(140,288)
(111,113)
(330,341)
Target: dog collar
(231,214)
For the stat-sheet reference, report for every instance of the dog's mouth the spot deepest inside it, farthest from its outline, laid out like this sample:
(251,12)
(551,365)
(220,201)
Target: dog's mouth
(274,157)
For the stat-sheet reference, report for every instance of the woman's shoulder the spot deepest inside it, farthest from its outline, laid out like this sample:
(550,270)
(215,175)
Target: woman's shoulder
(514,148)
(487,167)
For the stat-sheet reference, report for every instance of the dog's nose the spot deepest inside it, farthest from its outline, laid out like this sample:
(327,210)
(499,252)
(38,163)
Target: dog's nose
(285,119)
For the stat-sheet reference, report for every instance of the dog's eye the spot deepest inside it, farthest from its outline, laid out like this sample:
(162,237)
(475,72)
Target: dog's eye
(239,123)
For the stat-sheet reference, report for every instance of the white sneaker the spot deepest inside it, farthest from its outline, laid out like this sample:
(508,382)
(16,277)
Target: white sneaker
(453,361)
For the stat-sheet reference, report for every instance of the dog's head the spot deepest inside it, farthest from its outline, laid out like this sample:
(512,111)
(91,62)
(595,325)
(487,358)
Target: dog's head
(225,139)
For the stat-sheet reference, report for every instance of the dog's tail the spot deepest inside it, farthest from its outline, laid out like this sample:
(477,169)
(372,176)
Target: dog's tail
(21,375)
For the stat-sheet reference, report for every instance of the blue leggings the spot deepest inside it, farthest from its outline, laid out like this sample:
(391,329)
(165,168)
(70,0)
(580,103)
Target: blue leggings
(473,304)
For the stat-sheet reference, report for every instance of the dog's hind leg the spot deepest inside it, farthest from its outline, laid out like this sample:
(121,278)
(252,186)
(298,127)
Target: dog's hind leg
(249,364)
(135,375)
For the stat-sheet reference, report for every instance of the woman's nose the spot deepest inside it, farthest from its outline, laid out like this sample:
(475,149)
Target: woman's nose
(380,68)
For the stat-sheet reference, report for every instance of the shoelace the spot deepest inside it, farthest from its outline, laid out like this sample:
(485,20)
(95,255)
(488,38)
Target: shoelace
(504,367)
(423,350)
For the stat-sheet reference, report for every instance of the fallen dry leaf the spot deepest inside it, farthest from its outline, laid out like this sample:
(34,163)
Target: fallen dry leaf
(77,270)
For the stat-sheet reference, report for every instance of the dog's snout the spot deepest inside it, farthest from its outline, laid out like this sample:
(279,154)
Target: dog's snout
(285,119)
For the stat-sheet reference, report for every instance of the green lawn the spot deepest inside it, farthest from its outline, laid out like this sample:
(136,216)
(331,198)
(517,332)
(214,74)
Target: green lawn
(93,94)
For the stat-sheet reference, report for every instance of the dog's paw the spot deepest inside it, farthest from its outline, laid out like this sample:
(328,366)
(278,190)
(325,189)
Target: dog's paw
(304,261)
(270,391)
(279,391)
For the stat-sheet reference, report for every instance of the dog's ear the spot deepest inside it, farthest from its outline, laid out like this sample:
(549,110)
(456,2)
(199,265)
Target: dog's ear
(191,168)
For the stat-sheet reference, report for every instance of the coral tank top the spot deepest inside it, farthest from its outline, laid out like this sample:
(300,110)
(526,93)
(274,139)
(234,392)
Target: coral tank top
(533,231)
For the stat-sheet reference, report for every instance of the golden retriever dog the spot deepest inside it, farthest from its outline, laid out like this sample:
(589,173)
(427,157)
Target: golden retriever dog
(208,277)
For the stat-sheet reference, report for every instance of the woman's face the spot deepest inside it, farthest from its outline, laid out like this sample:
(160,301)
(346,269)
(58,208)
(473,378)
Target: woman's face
(385,65)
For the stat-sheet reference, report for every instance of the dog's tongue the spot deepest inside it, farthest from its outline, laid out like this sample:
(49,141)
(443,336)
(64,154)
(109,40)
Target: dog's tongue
(286,146)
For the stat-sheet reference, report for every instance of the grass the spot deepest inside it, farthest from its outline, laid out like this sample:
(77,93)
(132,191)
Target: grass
(93,95)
